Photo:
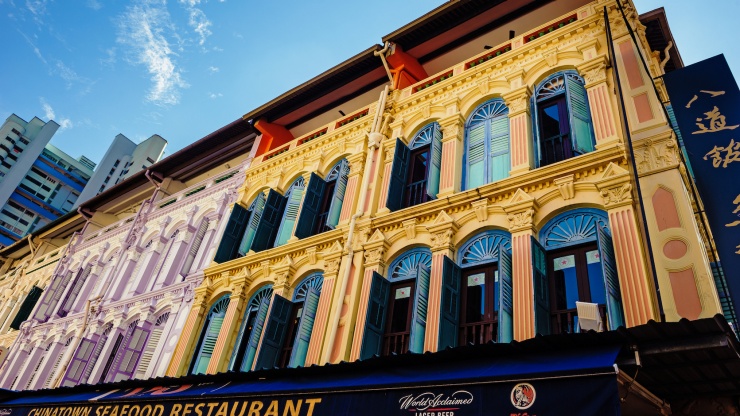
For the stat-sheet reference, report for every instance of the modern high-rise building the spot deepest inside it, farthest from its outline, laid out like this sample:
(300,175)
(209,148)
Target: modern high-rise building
(123,159)
(39,181)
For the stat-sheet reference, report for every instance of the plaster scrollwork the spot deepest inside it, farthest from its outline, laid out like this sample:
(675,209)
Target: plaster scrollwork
(356,164)
(656,156)
(595,74)
(566,186)
(551,57)
(616,196)
(389,153)
(481,209)
(373,256)
(443,240)
(522,219)
(331,266)
(517,104)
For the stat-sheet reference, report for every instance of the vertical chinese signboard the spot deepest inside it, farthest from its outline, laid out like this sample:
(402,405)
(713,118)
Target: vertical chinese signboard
(706,101)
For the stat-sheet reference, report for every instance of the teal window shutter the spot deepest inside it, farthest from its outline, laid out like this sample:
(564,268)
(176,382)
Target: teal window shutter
(372,336)
(267,228)
(254,337)
(580,115)
(614,308)
(294,198)
(311,207)
(26,307)
(450,307)
(541,289)
(209,336)
(419,316)
(399,174)
(229,245)
(258,206)
(506,297)
(337,200)
(305,327)
(435,162)
(275,332)
(487,144)
(500,157)
(475,174)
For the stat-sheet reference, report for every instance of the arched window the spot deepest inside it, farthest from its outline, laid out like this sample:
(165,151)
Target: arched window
(487,157)
(579,266)
(323,202)
(209,335)
(397,308)
(151,345)
(290,324)
(294,196)
(563,119)
(251,330)
(415,171)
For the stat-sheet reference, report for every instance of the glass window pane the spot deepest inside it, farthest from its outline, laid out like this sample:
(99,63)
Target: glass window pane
(475,297)
(399,320)
(550,123)
(566,282)
(595,277)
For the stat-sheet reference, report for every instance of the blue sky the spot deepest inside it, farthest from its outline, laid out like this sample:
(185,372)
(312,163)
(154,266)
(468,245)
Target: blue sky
(184,68)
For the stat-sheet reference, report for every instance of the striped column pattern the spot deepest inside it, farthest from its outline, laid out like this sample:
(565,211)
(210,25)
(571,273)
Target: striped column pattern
(523,285)
(225,335)
(601,113)
(177,364)
(313,356)
(519,126)
(431,337)
(447,172)
(384,185)
(367,280)
(349,198)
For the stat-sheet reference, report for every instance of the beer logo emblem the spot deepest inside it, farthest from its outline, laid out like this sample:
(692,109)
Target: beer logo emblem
(523,396)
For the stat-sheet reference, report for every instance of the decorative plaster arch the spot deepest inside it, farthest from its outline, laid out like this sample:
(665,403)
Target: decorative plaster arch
(573,227)
(402,267)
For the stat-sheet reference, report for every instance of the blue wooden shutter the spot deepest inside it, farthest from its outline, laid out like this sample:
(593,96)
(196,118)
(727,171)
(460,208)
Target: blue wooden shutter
(210,336)
(435,162)
(499,150)
(266,232)
(254,337)
(275,331)
(399,174)
(305,327)
(372,336)
(580,116)
(337,200)
(475,175)
(258,206)
(295,195)
(541,289)
(311,206)
(419,315)
(450,308)
(614,308)
(229,246)
(505,297)
(26,307)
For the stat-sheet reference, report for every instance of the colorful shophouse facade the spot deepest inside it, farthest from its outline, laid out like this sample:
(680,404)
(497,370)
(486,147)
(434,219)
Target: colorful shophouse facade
(471,195)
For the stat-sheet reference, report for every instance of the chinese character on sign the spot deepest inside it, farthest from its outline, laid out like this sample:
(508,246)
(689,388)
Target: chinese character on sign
(717,121)
(736,222)
(732,154)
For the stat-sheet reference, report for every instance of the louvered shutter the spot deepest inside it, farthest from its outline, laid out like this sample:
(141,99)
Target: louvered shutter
(541,289)
(290,215)
(148,353)
(435,162)
(209,338)
(475,175)
(614,307)
(276,329)
(54,369)
(268,226)
(305,327)
(229,246)
(111,358)
(258,206)
(56,288)
(505,297)
(450,307)
(131,354)
(337,199)
(310,209)
(372,336)
(71,296)
(194,247)
(499,149)
(399,174)
(80,359)
(580,116)
(419,315)
(26,307)
(254,337)
(35,371)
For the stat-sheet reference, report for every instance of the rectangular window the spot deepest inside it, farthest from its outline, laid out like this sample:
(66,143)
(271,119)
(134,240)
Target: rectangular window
(398,323)
(554,125)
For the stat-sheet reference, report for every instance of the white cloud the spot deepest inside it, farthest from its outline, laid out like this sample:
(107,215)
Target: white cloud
(213,69)
(35,48)
(48,111)
(213,96)
(143,28)
(49,114)
(94,4)
(110,57)
(200,24)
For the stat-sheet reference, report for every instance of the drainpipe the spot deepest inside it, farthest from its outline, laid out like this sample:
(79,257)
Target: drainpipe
(374,138)
(381,53)
(73,346)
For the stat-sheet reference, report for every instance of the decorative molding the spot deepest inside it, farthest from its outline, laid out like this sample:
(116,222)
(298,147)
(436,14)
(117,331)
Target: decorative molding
(594,70)
(566,186)
(410,227)
(656,155)
(518,100)
(442,229)
(520,211)
(481,209)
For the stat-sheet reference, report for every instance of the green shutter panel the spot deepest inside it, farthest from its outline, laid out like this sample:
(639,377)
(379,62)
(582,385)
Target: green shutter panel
(614,308)
(254,337)
(305,327)
(372,336)
(500,157)
(580,116)
(541,289)
(275,331)
(229,246)
(337,200)
(208,344)
(475,175)
(26,307)
(419,316)
(399,174)
(505,297)
(266,232)
(450,308)
(435,162)
(258,206)
(295,195)
(311,206)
